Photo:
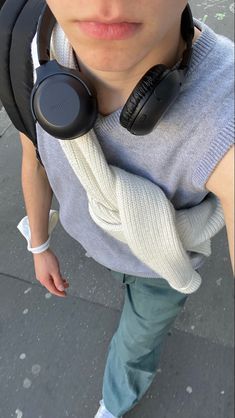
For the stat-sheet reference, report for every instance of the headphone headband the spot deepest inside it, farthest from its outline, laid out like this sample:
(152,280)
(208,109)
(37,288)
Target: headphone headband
(188,32)
(46,24)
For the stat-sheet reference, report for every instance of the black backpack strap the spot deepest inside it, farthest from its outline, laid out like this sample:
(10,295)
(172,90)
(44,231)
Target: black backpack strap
(2,3)
(18,25)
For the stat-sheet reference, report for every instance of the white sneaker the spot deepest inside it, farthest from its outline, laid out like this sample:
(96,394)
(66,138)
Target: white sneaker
(103,412)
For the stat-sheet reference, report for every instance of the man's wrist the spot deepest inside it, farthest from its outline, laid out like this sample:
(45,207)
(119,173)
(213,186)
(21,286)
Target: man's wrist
(24,228)
(37,241)
(41,248)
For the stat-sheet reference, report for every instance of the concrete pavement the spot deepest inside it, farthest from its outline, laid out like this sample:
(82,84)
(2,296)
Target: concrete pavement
(52,350)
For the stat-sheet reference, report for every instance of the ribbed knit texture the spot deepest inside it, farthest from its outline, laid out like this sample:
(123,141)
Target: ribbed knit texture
(137,212)
(177,159)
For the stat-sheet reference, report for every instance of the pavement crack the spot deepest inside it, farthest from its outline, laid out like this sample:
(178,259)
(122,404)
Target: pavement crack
(11,276)
(69,295)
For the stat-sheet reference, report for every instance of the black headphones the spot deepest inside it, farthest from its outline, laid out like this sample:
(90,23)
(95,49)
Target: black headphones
(64,103)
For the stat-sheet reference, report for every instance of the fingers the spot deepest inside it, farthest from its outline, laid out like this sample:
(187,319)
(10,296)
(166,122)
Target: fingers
(55,290)
(52,287)
(59,282)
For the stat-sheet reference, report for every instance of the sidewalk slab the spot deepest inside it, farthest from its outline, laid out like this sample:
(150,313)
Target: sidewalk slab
(195,380)
(5,122)
(53,353)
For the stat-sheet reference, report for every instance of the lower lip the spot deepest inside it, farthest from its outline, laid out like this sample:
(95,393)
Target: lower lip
(113,31)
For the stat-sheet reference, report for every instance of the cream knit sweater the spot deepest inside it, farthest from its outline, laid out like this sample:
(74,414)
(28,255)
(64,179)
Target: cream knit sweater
(136,211)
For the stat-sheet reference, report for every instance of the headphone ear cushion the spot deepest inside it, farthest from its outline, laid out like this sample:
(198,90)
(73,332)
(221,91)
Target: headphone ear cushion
(144,87)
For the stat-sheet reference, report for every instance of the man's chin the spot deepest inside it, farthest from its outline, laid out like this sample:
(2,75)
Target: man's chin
(108,68)
(105,65)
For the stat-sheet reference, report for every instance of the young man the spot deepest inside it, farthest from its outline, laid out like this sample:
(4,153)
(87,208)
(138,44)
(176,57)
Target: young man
(188,155)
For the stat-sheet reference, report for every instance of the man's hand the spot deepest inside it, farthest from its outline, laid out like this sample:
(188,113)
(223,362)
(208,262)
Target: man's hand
(47,272)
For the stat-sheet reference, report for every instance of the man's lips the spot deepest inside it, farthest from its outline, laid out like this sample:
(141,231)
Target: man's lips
(109,31)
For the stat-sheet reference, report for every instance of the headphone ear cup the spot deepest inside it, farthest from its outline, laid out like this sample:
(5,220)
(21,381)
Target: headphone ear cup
(141,92)
(63,102)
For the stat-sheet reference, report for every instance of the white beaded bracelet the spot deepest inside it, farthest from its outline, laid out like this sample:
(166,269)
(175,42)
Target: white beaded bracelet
(24,228)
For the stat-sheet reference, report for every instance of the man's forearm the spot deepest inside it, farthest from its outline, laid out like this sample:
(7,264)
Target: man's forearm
(38,197)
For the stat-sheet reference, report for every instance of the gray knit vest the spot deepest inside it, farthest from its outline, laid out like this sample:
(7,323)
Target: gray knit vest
(179,155)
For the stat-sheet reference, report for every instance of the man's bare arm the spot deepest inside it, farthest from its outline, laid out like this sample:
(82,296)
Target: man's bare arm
(37,192)
(38,196)
(221,183)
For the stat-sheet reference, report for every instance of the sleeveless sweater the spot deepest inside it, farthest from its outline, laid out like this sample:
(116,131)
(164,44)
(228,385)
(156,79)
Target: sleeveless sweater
(178,156)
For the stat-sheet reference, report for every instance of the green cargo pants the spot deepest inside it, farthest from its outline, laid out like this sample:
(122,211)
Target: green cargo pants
(150,308)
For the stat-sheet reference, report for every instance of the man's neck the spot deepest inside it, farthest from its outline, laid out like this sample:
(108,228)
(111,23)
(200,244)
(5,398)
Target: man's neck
(114,88)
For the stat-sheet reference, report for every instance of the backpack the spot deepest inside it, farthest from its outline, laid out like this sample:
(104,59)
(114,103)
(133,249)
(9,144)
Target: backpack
(18,25)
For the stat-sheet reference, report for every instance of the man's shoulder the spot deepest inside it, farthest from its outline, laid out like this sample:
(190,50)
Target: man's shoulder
(212,53)
(212,75)
(224,52)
